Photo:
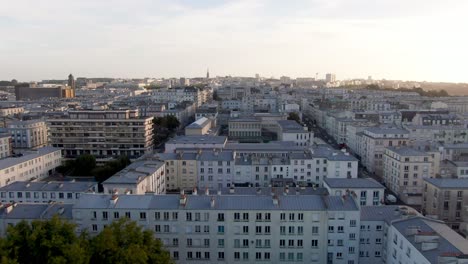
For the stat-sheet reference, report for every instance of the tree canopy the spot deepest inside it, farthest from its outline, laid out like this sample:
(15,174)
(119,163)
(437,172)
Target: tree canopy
(295,117)
(55,241)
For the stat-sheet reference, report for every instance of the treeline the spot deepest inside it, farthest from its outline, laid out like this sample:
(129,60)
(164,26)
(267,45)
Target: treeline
(163,128)
(85,165)
(55,242)
(420,91)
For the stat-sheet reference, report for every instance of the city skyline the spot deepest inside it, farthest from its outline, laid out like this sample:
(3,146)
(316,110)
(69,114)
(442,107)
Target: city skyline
(393,40)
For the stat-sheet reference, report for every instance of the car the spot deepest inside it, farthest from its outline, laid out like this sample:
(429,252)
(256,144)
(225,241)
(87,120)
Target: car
(391,198)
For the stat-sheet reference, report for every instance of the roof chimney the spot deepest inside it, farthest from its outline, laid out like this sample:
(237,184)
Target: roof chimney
(207,191)
(231,189)
(183,199)
(195,191)
(8,208)
(275,200)
(113,200)
(212,202)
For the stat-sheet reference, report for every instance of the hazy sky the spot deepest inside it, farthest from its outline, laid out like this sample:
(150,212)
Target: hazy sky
(393,39)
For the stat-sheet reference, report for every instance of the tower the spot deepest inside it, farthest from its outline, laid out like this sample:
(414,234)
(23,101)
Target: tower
(71,81)
(208,73)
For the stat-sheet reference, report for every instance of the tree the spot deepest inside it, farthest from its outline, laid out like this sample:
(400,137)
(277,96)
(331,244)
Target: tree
(125,242)
(294,116)
(110,168)
(172,122)
(52,241)
(84,164)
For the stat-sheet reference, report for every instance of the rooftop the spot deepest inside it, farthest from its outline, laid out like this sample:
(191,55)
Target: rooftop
(460,183)
(198,140)
(9,162)
(65,186)
(291,126)
(386,213)
(353,183)
(407,151)
(135,172)
(37,211)
(222,202)
(201,122)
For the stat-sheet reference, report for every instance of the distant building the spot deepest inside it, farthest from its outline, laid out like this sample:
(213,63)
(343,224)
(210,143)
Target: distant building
(367,190)
(33,92)
(71,82)
(330,77)
(104,134)
(28,134)
(5,145)
(200,127)
(10,111)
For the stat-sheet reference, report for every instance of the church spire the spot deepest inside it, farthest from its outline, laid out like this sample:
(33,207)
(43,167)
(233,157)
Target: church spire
(208,73)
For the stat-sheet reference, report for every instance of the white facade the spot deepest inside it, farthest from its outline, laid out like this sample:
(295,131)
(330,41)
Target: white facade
(28,134)
(367,191)
(5,146)
(35,166)
(140,177)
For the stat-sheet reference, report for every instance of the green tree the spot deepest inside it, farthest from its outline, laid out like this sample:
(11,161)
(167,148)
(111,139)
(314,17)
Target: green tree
(52,241)
(125,242)
(84,164)
(294,116)
(172,122)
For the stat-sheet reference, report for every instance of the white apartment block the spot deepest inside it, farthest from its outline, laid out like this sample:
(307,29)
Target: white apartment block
(9,111)
(5,145)
(104,134)
(290,130)
(236,228)
(181,170)
(140,177)
(366,190)
(36,165)
(28,134)
(404,170)
(66,192)
(374,140)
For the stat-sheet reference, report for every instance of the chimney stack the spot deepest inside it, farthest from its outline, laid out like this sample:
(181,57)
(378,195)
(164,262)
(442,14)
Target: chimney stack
(212,202)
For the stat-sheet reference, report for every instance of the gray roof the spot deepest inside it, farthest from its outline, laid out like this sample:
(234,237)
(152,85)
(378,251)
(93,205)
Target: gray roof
(216,155)
(201,122)
(353,183)
(382,130)
(9,162)
(198,140)
(386,213)
(222,202)
(135,172)
(331,154)
(65,186)
(291,126)
(407,151)
(449,183)
(449,241)
(275,145)
(37,211)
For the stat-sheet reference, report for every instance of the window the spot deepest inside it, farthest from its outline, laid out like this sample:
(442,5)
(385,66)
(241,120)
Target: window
(220,243)
(142,216)
(282,216)
(220,217)
(352,223)
(315,230)
(340,229)
(104,215)
(116,215)
(351,250)
(339,255)
(267,229)
(300,230)
(128,215)
(157,215)
(331,229)
(221,229)
(378,228)
(245,229)
(188,216)
(221,255)
(282,243)
(314,243)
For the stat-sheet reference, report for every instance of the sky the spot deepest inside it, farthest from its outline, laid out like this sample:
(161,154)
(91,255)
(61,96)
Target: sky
(421,40)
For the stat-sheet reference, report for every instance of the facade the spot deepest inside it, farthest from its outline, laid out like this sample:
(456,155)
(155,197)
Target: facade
(200,127)
(140,177)
(374,140)
(195,142)
(32,92)
(5,145)
(290,130)
(34,166)
(29,134)
(10,111)
(367,190)
(446,199)
(404,170)
(236,228)
(245,128)
(67,192)
(104,134)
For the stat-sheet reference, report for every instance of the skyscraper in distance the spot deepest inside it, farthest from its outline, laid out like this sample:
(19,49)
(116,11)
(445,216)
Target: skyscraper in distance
(330,77)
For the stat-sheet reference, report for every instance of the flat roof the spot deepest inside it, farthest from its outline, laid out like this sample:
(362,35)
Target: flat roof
(407,151)
(38,211)
(353,183)
(198,140)
(135,172)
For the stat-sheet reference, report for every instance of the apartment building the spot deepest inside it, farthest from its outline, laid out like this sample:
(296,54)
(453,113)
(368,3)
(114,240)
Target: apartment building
(374,140)
(445,199)
(195,142)
(102,133)
(35,165)
(290,130)
(236,228)
(140,177)
(5,145)
(367,190)
(404,170)
(424,241)
(28,134)
(200,127)
(10,111)
(66,192)
(181,170)
(245,128)
(12,214)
